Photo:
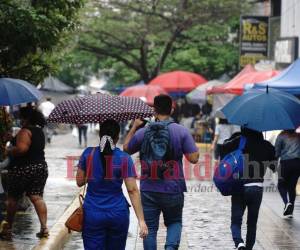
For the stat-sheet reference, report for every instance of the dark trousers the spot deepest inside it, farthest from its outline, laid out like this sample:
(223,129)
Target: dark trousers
(82,132)
(287,182)
(171,206)
(251,199)
(105,230)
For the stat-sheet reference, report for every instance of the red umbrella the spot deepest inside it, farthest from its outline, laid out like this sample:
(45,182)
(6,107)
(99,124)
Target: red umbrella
(145,92)
(98,108)
(178,81)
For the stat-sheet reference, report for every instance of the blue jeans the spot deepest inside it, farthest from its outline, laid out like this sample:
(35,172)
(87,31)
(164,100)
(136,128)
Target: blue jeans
(171,205)
(105,230)
(251,199)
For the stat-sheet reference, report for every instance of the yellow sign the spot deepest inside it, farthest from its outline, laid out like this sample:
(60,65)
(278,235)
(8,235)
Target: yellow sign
(253,39)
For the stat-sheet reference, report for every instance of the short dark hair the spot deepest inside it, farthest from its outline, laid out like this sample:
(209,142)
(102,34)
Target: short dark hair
(223,121)
(33,116)
(163,104)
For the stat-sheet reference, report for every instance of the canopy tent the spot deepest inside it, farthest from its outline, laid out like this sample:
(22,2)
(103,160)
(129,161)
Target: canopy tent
(219,89)
(55,85)
(198,95)
(219,101)
(237,86)
(288,80)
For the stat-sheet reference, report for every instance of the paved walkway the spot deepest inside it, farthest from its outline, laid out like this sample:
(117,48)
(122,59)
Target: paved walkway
(206,214)
(59,193)
(207,223)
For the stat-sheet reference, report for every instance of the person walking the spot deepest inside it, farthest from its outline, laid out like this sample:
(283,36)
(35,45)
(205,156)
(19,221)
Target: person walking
(258,154)
(82,134)
(46,108)
(162,145)
(287,147)
(223,131)
(106,210)
(29,171)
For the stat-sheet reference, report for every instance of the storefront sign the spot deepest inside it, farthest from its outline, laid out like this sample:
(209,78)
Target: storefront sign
(253,39)
(286,50)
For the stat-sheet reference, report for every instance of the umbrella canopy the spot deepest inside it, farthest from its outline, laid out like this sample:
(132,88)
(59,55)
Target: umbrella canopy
(98,108)
(55,85)
(264,110)
(198,95)
(15,91)
(288,80)
(237,86)
(178,81)
(146,92)
(217,90)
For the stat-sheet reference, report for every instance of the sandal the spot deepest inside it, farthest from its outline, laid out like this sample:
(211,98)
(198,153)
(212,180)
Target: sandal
(5,231)
(44,233)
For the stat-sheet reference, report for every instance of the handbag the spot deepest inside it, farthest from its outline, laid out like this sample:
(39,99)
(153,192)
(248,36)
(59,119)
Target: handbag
(75,221)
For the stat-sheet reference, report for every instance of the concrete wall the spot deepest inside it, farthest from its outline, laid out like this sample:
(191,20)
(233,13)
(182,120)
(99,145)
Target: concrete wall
(290,19)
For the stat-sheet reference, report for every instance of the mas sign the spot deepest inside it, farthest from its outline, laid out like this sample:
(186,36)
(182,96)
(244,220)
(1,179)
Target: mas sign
(253,39)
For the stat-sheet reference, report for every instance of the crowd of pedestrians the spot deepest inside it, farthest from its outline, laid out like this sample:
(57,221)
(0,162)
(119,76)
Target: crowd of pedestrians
(161,143)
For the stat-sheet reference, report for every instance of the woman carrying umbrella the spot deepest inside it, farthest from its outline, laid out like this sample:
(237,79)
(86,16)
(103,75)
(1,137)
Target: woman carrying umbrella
(256,111)
(29,171)
(258,152)
(287,148)
(106,210)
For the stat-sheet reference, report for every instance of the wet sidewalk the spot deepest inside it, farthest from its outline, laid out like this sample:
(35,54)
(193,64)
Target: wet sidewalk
(206,223)
(59,192)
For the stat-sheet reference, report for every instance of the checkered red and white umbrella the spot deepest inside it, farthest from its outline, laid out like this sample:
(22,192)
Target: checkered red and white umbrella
(99,107)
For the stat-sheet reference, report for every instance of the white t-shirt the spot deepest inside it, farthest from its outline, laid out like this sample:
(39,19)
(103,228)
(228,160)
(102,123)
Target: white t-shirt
(46,108)
(225,131)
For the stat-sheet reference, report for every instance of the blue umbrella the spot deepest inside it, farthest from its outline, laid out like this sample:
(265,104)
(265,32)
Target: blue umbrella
(15,91)
(264,110)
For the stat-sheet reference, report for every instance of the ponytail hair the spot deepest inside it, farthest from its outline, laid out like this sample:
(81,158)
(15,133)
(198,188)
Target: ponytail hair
(109,132)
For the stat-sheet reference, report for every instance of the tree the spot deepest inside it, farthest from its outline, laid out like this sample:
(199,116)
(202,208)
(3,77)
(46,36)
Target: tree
(31,32)
(148,36)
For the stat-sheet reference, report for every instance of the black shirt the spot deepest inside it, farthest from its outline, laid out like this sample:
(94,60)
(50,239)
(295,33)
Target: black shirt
(258,154)
(35,153)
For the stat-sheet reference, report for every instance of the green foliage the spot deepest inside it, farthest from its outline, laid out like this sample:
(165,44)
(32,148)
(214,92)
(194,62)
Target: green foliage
(206,49)
(138,39)
(31,32)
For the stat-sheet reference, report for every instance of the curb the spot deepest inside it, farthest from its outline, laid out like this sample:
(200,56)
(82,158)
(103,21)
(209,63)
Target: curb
(59,234)
(203,145)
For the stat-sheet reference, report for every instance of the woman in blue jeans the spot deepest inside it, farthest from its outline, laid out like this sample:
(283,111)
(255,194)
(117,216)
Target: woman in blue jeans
(106,210)
(258,155)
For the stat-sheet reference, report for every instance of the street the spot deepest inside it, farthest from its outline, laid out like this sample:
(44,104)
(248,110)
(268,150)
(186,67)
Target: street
(206,221)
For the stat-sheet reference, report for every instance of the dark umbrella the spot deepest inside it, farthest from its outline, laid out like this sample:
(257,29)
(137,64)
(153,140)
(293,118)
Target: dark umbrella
(264,110)
(15,91)
(98,108)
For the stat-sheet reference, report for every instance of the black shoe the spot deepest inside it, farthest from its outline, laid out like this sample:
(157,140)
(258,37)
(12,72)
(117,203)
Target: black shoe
(241,246)
(288,210)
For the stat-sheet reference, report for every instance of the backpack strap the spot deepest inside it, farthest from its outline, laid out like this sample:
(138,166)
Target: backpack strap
(242,143)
